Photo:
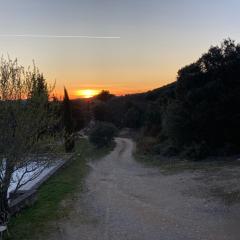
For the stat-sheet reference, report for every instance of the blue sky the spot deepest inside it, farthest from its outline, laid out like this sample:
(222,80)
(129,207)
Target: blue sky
(156,38)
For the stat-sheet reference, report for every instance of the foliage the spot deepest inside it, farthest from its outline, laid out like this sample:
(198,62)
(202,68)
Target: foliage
(207,100)
(26,119)
(81,113)
(102,134)
(195,151)
(100,112)
(134,117)
(68,123)
(145,145)
(79,116)
(100,109)
(104,96)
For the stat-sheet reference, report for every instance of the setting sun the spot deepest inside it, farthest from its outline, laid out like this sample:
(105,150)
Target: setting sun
(87,93)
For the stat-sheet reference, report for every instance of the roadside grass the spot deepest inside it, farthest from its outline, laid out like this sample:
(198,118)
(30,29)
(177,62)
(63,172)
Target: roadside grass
(37,220)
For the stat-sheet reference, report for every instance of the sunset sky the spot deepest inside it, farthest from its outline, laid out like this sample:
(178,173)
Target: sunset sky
(132,45)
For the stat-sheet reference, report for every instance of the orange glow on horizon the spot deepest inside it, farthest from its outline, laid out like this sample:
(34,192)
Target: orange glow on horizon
(87,93)
(91,92)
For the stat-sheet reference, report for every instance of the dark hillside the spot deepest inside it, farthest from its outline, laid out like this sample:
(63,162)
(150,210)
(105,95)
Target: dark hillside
(196,116)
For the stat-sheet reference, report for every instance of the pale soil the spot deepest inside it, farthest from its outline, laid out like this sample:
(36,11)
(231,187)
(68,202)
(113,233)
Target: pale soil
(126,201)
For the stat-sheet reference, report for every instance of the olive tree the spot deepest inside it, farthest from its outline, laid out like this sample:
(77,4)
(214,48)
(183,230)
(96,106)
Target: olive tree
(26,120)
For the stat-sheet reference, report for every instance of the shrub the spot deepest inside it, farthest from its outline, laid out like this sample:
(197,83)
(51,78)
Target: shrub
(145,144)
(196,151)
(102,134)
(166,149)
(206,108)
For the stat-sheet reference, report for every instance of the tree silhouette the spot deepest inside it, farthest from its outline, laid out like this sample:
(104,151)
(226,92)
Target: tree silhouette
(68,123)
(104,96)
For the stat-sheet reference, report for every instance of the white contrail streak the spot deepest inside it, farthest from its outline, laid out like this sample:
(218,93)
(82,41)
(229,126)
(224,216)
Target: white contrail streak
(57,36)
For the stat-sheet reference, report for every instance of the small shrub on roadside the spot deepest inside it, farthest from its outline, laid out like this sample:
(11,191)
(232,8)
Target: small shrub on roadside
(165,149)
(195,151)
(102,135)
(145,144)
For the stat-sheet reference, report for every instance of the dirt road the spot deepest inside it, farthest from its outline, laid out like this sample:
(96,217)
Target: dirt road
(126,201)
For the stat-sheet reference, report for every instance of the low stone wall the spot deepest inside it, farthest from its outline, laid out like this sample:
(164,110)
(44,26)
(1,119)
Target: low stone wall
(27,198)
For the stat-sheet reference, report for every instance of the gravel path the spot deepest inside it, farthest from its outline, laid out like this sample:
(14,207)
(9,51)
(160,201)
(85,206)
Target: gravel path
(126,201)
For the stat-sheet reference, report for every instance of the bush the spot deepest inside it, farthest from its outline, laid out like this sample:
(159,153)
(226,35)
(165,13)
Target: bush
(205,117)
(102,134)
(166,149)
(196,151)
(145,144)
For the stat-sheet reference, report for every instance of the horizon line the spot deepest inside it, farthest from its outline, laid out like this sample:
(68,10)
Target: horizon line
(57,36)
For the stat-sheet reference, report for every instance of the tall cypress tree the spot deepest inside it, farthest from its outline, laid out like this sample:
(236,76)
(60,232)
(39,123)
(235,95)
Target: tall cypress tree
(68,123)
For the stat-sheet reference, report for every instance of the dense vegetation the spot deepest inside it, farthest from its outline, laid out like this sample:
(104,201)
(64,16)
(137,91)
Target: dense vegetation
(196,116)
(204,116)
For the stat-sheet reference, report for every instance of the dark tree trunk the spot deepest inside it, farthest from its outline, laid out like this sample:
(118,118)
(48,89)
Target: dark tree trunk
(4,206)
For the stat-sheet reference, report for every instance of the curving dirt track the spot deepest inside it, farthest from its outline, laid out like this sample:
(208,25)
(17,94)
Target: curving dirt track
(126,201)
